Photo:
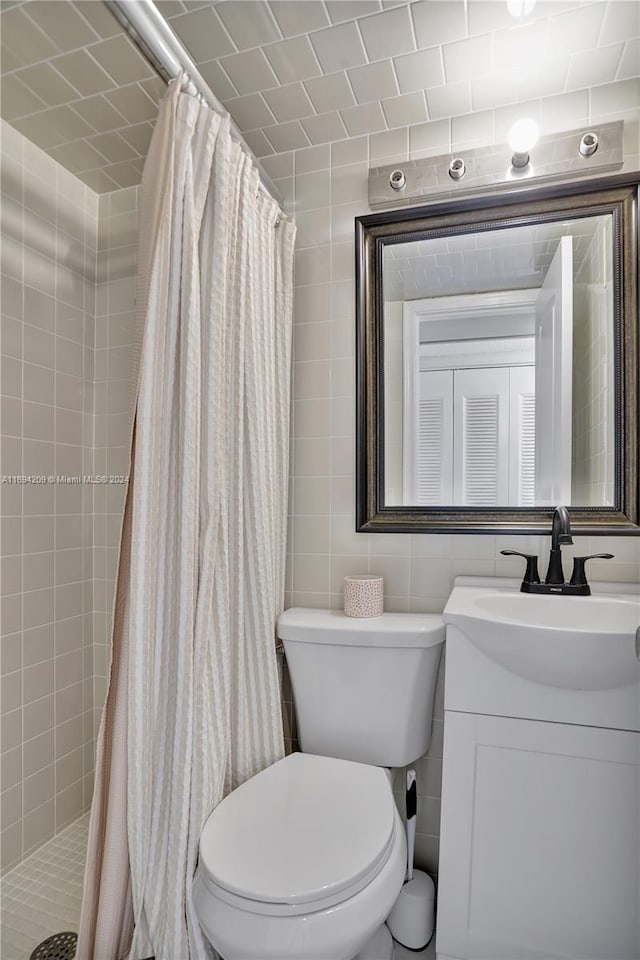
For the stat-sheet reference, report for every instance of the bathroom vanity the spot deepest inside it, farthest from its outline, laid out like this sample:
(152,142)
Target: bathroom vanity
(540,830)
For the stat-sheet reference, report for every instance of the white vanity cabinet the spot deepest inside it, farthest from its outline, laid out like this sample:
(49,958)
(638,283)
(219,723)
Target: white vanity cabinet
(540,828)
(539,841)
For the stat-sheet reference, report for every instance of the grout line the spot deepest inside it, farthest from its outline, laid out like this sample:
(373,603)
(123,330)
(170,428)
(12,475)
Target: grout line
(353,93)
(416,45)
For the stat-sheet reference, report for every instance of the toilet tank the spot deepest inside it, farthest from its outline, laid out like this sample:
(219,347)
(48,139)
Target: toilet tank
(363,687)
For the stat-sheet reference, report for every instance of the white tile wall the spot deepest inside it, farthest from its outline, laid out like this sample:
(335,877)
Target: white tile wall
(67,302)
(50,231)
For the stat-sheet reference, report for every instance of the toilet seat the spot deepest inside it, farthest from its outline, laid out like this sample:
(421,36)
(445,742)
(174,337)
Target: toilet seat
(304,835)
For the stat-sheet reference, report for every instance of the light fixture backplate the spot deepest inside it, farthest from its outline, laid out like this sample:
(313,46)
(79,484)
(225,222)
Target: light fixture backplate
(554,157)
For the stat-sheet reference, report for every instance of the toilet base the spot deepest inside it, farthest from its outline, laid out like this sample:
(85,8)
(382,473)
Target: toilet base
(379,947)
(383,947)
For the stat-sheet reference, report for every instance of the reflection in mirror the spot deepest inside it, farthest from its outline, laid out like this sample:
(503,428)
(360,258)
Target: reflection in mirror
(499,367)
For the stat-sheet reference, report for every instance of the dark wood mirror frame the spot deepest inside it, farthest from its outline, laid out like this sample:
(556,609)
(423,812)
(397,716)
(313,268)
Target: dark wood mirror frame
(618,196)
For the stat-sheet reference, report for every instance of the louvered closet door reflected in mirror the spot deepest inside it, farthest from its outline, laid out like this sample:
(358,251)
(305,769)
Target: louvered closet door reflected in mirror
(474,437)
(467,402)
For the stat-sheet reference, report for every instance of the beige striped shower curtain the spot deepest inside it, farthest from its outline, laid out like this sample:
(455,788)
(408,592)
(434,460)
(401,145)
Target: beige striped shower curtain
(193,703)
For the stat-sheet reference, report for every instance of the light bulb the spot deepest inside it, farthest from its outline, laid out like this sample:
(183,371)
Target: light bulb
(523,134)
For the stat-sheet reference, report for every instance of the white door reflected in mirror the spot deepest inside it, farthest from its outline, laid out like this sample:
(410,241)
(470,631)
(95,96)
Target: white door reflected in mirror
(554,379)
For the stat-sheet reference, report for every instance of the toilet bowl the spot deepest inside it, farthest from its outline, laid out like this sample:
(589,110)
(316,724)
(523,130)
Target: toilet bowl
(302,862)
(305,860)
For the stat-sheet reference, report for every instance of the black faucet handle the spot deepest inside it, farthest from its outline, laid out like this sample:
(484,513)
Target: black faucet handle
(531,574)
(579,577)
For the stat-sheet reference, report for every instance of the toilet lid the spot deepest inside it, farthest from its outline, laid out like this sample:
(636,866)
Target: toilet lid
(305,829)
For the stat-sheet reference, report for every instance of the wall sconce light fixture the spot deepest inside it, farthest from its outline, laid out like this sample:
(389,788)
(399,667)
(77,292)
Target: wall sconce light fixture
(558,156)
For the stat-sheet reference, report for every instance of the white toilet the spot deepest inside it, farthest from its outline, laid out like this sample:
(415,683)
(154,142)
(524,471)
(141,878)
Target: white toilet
(305,860)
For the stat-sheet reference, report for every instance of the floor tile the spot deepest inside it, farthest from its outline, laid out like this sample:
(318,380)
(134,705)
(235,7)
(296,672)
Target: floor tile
(42,895)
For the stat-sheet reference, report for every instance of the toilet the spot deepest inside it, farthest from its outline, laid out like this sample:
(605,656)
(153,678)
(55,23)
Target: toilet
(305,860)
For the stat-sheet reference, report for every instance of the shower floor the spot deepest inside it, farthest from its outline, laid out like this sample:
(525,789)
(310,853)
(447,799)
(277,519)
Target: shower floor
(42,895)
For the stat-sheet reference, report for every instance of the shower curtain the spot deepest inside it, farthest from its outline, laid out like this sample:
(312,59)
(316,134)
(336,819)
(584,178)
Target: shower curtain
(193,703)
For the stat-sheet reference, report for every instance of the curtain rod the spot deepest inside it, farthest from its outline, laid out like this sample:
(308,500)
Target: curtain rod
(151,33)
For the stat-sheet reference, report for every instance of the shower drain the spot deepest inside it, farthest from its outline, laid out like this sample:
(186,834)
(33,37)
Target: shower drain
(61,946)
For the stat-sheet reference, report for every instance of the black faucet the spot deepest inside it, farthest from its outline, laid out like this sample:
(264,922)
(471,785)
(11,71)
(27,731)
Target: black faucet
(554,581)
(560,533)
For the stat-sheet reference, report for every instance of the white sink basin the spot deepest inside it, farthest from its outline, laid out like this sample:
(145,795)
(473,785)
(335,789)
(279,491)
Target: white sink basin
(577,643)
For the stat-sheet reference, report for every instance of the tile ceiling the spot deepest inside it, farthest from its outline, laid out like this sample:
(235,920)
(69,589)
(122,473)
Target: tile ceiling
(74,84)
(513,259)
(295,73)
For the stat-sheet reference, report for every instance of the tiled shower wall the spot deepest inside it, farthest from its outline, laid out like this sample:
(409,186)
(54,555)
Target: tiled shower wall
(57,538)
(326,186)
(49,239)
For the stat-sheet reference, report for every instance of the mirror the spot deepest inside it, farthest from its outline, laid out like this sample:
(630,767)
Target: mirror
(497,364)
